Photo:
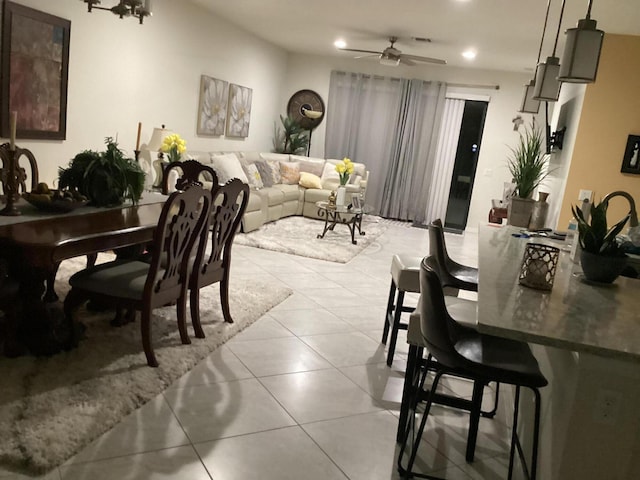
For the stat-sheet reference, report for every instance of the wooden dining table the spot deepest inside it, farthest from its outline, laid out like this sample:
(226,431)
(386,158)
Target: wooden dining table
(34,243)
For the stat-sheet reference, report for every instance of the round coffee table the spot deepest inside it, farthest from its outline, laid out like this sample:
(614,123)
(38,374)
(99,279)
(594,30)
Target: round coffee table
(334,215)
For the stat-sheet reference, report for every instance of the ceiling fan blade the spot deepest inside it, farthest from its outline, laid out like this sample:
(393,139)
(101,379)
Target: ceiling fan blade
(405,61)
(357,50)
(418,58)
(369,55)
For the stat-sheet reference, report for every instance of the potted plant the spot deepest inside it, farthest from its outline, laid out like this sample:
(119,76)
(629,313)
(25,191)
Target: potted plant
(602,258)
(292,138)
(528,167)
(106,178)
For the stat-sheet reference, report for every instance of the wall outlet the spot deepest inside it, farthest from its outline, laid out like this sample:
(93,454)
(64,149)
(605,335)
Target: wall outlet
(607,407)
(585,194)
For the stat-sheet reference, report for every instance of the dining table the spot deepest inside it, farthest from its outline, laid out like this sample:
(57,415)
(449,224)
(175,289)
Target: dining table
(586,337)
(34,243)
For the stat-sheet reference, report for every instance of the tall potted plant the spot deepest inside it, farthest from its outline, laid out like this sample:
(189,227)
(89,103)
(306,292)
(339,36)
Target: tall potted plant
(528,167)
(602,258)
(292,138)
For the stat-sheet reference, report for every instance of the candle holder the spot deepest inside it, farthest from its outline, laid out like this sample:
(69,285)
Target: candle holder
(539,266)
(9,176)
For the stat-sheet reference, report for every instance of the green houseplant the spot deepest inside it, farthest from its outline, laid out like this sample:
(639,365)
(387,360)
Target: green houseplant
(107,178)
(602,258)
(528,167)
(292,138)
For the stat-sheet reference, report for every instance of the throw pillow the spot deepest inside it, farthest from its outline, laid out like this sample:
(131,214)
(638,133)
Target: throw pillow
(227,166)
(308,164)
(290,172)
(253,175)
(329,172)
(265,173)
(309,180)
(274,165)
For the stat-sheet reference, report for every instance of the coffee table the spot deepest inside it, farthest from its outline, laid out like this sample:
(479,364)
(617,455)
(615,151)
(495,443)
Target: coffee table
(334,215)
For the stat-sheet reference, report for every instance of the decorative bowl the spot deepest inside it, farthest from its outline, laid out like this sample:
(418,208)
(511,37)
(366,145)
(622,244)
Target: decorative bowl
(47,203)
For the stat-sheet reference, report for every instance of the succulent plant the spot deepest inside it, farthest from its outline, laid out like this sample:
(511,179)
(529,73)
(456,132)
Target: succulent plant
(594,235)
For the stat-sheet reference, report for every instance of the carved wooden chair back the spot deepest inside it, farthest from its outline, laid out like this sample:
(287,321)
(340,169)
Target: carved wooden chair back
(192,172)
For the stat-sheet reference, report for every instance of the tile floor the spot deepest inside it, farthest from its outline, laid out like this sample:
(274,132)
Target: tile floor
(304,393)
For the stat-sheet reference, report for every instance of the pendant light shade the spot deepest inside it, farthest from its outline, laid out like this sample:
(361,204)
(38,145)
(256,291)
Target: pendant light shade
(547,85)
(528,104)
(582,52)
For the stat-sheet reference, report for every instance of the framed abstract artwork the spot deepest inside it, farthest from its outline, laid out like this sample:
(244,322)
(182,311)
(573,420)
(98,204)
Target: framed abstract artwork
(631,159)
(212,108)
(238,111)
(35,69)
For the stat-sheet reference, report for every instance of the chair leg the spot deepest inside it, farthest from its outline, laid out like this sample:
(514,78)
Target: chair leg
(395,327)
(474,419)
(194,303)
(536,435)
(224,297)
(145,330)
(406,472)
(514,432)
(182,320)
(389,315)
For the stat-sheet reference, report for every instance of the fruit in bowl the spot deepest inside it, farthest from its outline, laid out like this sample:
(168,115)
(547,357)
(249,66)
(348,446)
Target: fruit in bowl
(43,198)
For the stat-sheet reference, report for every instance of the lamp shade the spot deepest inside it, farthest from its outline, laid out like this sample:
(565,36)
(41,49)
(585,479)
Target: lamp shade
(547,87)
(157,137)
(581,53)
(528,104)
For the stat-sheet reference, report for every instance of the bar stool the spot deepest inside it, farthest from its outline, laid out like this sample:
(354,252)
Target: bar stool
(451,273)
(405,277)
(463,351)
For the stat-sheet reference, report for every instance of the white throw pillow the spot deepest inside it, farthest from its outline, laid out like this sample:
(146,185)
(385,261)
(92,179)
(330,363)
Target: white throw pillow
(309,164)
(329,172)
(227,166)
(253,176)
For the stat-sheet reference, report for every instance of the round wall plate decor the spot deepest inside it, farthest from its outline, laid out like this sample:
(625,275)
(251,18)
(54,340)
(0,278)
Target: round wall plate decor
(307,108)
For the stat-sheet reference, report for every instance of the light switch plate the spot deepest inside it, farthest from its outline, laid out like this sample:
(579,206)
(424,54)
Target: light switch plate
(585,194)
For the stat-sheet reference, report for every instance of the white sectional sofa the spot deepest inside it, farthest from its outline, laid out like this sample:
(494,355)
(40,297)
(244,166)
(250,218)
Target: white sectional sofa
(281,185)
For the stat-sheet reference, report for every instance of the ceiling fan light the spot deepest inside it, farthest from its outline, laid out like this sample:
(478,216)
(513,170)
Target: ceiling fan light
(389,61)
(529,104)
(547,85)
(581,54)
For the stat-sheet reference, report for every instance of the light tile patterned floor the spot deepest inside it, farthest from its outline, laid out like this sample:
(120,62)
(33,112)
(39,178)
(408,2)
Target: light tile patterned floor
(304,393)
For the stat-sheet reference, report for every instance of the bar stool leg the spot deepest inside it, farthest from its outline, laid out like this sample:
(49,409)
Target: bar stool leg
(389,314)
(474,419)
(395,327)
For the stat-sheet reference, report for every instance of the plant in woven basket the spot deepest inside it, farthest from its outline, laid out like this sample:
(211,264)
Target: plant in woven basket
(107,178)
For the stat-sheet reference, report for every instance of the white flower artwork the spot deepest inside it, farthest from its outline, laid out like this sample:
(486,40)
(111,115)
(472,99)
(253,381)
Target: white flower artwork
(239,111)
(212,111)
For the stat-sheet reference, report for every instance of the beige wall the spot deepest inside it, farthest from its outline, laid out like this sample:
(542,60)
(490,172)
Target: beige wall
(610,112)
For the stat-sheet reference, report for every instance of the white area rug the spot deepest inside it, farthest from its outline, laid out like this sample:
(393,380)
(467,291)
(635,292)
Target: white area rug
(51,407)
(298,236)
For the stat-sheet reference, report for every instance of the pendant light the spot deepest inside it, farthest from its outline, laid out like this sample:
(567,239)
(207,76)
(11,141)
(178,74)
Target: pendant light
(547,86)
(582,51)
(528,104)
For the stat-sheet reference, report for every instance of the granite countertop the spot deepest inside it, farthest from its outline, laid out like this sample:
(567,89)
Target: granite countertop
(574,315)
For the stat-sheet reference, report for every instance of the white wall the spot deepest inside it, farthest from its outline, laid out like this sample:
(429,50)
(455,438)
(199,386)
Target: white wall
(313,72)
(122,73)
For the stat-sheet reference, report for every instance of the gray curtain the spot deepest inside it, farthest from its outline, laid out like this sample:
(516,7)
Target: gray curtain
(392,126)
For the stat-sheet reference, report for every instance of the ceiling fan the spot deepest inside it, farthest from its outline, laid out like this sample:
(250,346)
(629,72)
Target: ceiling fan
(392,56)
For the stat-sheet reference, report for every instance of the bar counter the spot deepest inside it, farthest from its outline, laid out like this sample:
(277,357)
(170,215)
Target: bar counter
(587,340)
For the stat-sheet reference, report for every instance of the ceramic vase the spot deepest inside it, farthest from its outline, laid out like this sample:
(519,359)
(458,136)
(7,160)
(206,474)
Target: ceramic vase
(341,195)
(539,212)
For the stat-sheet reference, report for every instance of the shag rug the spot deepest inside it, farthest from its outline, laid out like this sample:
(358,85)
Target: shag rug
(299,236)
(51,407)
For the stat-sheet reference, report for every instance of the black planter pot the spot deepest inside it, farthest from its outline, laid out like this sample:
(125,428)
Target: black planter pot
(598,268)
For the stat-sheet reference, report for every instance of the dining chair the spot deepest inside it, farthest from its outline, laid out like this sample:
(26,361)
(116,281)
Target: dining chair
(189,172)
(214,263)
(9,305)
(144,286)
(465,352)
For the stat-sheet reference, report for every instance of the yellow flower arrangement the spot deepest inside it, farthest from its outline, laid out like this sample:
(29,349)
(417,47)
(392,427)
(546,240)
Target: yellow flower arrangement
(344,169)
(174,146)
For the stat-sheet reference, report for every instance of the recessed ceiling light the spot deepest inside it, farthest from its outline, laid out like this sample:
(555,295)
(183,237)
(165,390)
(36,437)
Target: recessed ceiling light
(469,54)
(340,43)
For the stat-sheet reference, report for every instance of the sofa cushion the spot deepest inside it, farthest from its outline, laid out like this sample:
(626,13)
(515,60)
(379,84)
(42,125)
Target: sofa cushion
(269,172)
(227,166)
(255,201)
(277,157)
(274,196)
(309,180)
(290,172)
(309,164)
(313,195)
(290,192)
(250,157)
(253,175)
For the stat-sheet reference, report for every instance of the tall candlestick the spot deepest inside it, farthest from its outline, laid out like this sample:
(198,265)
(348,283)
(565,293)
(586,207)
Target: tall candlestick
(12,129)
(138,139)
